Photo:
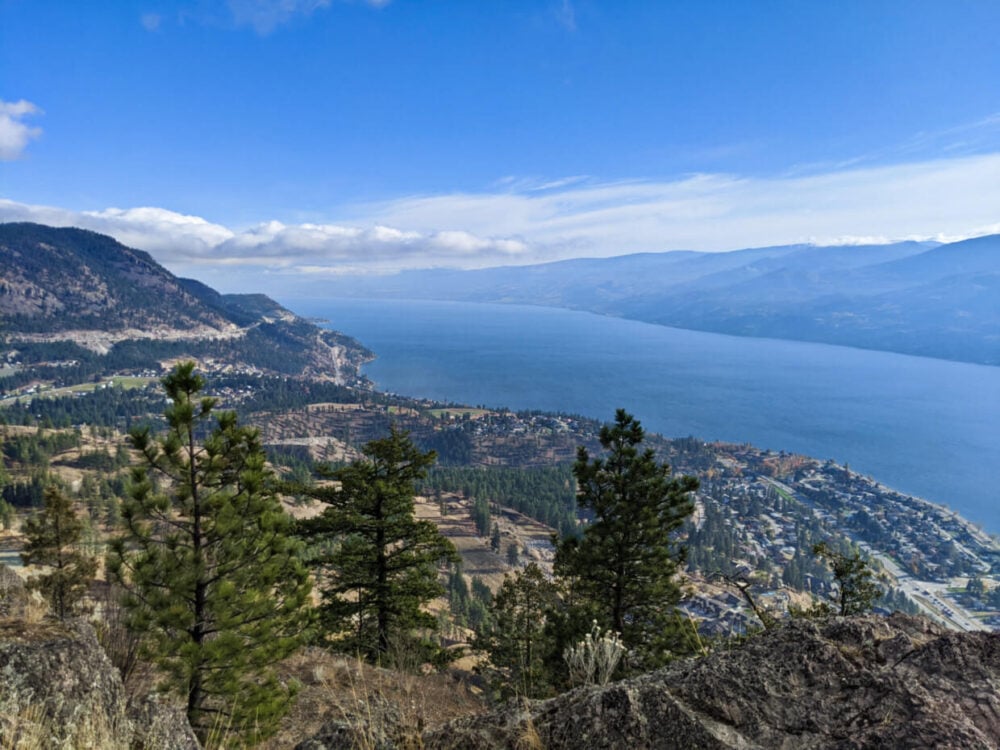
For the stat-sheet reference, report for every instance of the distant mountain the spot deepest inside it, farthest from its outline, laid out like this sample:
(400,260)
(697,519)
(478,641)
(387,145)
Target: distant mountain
(97,297)
(913,297)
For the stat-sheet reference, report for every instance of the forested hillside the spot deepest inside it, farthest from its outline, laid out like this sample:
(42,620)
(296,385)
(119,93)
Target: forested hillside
(75,304)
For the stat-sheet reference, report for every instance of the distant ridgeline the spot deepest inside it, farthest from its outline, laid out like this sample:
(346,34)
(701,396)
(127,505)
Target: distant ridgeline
(917,298)
(75,300)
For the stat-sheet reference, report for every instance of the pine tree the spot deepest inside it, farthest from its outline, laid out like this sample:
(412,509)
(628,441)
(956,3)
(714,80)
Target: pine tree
(621,569)
(857,590)
(517,640)
(212,574)
(6,515)
(378,563)
(513,555)
(53,536)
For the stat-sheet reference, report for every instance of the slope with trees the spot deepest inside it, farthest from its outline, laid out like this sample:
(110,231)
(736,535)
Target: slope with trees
(212,574)
(378,564)
(53,539)
(620,570)
(74,303)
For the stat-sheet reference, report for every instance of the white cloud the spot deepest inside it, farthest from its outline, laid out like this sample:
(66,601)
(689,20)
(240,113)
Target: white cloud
(14,134)
(566,15)
(947,197)
(377,247)
(151,21)
(188,244)
(945,200)
(166,234)
(266,15)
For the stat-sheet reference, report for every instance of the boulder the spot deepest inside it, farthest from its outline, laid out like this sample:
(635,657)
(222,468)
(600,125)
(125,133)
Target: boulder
(59,689)
(158,724)
(13,593)
(863,682)
(375,723)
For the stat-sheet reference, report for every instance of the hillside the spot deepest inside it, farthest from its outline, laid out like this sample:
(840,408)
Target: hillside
(910,297)
(84,300)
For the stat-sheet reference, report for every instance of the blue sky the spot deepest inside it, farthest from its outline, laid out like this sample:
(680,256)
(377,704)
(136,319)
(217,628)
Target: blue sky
(248,142)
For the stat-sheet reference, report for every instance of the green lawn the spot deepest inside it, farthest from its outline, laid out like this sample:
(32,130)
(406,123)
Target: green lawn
(122,382)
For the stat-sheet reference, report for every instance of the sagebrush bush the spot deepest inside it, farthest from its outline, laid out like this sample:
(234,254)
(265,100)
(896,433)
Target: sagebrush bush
(593,660)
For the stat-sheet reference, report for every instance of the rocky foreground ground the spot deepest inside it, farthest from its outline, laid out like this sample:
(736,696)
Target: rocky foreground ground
(862,682)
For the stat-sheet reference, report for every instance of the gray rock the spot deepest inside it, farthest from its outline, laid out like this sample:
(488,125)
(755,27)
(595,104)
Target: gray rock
(865,682)
(57,681)
(13,594)
(377,725)
(160,725)
(59,689)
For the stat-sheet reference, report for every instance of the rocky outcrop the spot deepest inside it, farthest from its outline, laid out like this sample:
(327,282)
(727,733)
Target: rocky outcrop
(157,723)
(866,682)
(13,593)
(377,724)
(58,689)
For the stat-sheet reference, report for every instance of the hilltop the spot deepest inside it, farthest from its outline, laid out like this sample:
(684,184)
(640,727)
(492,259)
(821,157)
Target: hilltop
(74,298)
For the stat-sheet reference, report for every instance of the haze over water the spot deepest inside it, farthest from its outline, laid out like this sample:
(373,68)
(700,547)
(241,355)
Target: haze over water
(924,426)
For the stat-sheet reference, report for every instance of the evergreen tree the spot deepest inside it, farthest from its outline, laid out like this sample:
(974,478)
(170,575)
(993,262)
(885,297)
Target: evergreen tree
(212,574)
(4,478)
(378,564)
(513,555)
(519,644)
(6,509)
(53,536)
(975,586)
(621,569)
(857,590)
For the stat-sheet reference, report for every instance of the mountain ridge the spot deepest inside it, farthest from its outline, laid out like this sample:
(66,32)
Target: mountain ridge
(73,286)
(921,298)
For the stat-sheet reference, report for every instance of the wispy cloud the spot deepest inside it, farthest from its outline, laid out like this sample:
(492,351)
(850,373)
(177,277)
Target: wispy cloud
(14,132)
(150,21)
(514,184)
(566,15)
(980,136)
(266,15)
(951,197)
(945,199)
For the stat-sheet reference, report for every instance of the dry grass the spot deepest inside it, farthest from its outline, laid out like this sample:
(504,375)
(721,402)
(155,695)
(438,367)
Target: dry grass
(28,725)
(401,703)
(528,738)
(30,608)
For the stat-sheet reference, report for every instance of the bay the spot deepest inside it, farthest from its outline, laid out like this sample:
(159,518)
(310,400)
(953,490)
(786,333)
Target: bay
(926,427)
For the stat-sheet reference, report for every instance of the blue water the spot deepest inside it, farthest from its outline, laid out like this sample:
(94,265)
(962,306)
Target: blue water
(924,426)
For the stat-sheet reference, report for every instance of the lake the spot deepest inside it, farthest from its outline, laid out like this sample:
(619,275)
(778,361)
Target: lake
(924,426)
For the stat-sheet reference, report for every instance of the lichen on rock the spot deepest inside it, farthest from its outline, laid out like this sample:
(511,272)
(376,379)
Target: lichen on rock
(861,682)
(59,689)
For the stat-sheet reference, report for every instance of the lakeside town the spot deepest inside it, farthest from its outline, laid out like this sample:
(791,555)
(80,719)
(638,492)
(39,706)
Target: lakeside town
(758,512)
